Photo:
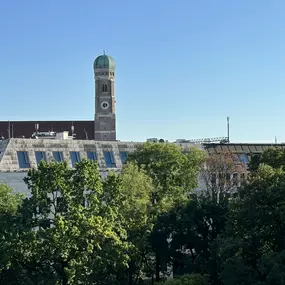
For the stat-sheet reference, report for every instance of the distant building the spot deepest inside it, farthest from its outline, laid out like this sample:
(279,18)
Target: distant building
(17,156)
(152,140)
(23,144)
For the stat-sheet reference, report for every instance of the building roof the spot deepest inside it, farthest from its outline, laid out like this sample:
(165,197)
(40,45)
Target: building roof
(104,61)
(240,148)
(18,129)
(18,155)
(12,151)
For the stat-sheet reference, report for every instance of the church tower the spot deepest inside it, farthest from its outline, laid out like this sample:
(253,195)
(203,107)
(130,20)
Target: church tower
(105,118)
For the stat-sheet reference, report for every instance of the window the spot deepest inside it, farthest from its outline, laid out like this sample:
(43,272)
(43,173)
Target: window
(40,155)
(91,155)
(75,157)
(58,156)
(104,88)
(109,159)
(23,159)
(235,158)
(124,156)
(244,158)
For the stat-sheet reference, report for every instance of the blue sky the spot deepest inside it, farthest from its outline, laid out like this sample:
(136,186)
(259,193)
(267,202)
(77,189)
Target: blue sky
(182,66)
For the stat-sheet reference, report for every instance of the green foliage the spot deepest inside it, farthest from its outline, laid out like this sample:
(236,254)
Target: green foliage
(174,174)
(138,214)
(188,279)
(275,157)
(254,162)
(255,232)
(9,201)
(185,236)
(137,187)
(146,222)
(84,244)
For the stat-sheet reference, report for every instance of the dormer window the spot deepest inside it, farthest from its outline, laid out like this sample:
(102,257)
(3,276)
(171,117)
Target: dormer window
(104,88)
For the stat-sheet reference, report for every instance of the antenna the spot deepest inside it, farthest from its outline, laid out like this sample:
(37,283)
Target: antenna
(72,130)
(9,129)
(104,52)
(37,128)
(228,128)
(86,135)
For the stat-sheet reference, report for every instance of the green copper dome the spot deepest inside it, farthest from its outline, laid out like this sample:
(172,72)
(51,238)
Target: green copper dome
(104,61)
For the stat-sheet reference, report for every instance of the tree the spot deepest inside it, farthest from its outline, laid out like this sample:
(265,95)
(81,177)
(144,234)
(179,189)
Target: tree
(221,175)
(275,157)
(9,204)
(9,201)
(192,230)
(136,187)
(252,249)
(68,233)
(174,176)
(135,207)
(188,279)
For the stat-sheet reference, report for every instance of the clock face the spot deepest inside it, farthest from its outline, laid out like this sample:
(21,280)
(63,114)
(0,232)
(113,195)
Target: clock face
(105,105)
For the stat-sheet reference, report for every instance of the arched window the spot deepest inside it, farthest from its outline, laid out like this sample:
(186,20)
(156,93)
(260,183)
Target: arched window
(104,87)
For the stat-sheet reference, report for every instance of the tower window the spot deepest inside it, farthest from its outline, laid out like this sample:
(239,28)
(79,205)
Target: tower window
(104,88)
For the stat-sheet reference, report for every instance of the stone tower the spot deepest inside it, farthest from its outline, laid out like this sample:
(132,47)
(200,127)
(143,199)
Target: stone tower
(105,118)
